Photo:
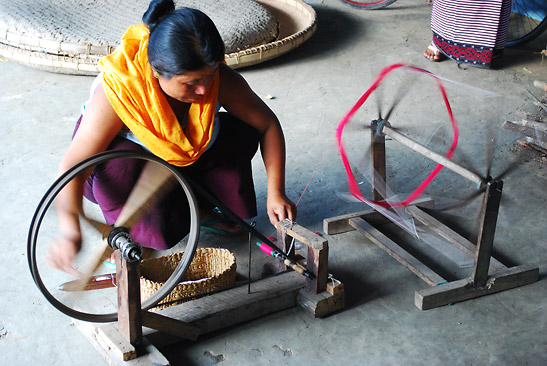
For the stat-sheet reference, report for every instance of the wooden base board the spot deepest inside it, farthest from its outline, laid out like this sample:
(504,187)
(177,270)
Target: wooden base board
(442,292)
(341,224)
(462,290)
(532,151)
(217,311)
(116,350)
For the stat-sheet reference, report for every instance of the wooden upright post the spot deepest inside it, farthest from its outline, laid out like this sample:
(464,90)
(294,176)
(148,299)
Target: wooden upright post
(129,300)
(318,264)
(318,252)
(283,242)
(489,211)
(378,149)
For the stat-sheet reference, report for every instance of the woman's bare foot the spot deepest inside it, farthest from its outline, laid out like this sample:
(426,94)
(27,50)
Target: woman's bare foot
(433,54)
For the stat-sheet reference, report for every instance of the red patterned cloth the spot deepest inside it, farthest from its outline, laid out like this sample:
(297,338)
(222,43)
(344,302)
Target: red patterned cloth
(470,31)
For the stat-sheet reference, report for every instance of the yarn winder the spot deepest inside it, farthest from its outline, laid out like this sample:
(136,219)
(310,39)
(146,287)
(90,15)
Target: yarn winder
(489,275)
(123,337)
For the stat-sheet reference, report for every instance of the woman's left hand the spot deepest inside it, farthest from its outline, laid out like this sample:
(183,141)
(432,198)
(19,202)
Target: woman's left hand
(280,207)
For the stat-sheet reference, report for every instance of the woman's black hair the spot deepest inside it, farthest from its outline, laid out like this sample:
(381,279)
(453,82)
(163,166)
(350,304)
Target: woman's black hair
(181,40)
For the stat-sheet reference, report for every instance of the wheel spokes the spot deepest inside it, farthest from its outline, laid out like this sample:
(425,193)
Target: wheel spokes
(101,306)
(102,228)
(102,253)
(154,183)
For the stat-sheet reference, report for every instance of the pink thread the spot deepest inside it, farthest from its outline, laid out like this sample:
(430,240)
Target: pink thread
(353,186)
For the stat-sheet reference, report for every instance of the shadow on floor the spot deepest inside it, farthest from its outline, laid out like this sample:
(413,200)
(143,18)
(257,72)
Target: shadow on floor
(335,32)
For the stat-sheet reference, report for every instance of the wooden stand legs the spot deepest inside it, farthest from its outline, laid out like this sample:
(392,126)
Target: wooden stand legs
(490,208)
(489,275)
(129,300)
(127,343)
(323,294)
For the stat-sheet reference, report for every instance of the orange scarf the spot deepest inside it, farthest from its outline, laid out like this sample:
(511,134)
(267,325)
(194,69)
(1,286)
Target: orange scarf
(137,98)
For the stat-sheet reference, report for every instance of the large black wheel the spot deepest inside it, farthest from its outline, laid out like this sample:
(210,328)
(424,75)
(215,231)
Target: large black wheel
(528,20)
(97,305)
(371,5)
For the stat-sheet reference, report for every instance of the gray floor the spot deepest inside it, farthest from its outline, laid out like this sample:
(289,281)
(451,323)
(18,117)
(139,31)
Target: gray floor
(314,86)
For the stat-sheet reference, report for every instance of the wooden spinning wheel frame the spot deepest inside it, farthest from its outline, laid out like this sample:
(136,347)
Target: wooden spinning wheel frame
(67,177)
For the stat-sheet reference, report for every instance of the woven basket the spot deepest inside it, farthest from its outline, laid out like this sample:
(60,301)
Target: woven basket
(211,269)
(297,23)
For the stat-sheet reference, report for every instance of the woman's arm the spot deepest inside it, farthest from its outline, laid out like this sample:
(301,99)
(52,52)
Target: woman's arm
(98,127)
(237,98)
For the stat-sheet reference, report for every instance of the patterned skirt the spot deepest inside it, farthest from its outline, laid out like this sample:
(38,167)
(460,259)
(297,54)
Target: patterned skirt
(470,31)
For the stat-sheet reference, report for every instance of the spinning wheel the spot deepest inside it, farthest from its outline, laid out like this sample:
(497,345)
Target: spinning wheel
(120,300)
(156,179)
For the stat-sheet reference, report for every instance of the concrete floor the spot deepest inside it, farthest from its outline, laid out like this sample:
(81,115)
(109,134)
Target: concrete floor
(314,86)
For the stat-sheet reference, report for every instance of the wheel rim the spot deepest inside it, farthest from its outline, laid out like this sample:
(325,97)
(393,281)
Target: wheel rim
(371,4)
(52,193)
(528,20)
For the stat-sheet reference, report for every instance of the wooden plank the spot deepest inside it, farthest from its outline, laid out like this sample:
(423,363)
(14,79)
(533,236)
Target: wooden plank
(533,151)
(170,325)
(149,355)
(334,286)
(110,338)
(394,250)
(129,300)
(378,153)
(283,242)
(462,290)
(432,155)
(340,224)
(336,302)
(316,305)
(317,263)
(303,235)
(234,306)
(489,218)
(320,304)
(535,131)
(450,235)
(536,148)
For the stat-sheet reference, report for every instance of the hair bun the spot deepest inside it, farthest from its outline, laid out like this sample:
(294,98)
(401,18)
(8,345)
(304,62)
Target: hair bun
(156,11)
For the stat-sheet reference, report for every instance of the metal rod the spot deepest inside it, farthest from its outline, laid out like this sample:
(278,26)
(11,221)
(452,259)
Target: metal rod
(238,220)
(432,155)
(250,263)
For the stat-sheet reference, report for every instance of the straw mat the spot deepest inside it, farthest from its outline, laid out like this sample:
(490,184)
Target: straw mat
(70,36)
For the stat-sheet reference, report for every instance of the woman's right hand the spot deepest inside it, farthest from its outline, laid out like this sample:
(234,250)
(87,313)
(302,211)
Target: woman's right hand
(62,253)
(98,127)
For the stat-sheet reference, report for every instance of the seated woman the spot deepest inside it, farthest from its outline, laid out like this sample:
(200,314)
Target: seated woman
(470,32)
(161,91)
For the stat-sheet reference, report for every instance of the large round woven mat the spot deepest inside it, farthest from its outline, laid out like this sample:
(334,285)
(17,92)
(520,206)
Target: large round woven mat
(70,36)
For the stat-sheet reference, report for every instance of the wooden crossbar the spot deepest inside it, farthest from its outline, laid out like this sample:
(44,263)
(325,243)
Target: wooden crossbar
(394,250)
(441,292)
(450,235)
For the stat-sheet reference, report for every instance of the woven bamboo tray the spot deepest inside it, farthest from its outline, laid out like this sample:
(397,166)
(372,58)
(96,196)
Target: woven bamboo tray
(297,23)
(65,43)
(211,269)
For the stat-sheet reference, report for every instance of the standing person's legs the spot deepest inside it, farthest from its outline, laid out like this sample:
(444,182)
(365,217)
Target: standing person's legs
(501,38)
